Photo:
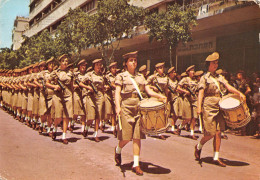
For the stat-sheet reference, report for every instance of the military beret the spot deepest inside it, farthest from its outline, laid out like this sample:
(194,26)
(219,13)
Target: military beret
(159,64)
(96,61)
(43,63)
(89,69)
(171,69)
(55,67)
(118,70)
(63,57)
(190,68)
(75,69)
(130,54)
(36,65)
(83,61)
(142,68)
(198,73)
(184,74)
(50,60)
(112,64)
(70,65)
(213,57)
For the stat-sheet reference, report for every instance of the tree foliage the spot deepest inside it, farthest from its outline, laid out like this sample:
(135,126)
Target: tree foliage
(113,21)
(72,36)
(172,26)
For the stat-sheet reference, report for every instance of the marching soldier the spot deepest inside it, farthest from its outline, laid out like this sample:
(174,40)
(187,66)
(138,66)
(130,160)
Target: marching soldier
(159,82)
(62,86)
(97,82)
(79,96)
(110,95)
(188,86)
(173,95)
(126,99)
(210,90)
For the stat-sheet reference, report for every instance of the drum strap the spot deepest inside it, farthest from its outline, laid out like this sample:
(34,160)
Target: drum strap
(217,84)
(136,87)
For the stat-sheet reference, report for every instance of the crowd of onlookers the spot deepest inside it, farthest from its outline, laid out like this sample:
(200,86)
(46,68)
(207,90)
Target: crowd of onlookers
(250,86)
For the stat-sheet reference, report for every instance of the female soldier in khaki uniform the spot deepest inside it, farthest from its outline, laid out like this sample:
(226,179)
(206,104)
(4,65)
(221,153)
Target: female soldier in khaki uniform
(210,90)
(30,95)
(110,96)
(126,99)
(79,97)
(63,96)
(36,96)
(173,84)
(47,111)
(159,82)
(96,78)
(40,82)
(188,85)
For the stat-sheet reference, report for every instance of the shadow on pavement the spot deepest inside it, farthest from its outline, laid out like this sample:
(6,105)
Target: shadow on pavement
(208,160)
(71,140)
(146,167)
(101,138)
(158,137)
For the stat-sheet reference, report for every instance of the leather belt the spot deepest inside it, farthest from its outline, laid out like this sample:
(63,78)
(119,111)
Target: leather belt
(130,95)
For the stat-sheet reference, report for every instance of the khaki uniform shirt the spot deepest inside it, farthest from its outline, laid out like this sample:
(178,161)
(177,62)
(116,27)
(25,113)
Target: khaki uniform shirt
(65,77)
(163,82)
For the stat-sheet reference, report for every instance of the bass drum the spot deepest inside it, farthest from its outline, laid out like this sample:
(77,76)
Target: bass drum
(154,116)
(235,112)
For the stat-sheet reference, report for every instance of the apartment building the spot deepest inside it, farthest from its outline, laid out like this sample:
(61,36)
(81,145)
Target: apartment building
(20,25)
(230,27)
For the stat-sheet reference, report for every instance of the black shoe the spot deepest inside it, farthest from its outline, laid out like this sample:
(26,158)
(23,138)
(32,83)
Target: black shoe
(117,158)
(85,133)
(224,136)
(197,153)
(162,137)
(53,136)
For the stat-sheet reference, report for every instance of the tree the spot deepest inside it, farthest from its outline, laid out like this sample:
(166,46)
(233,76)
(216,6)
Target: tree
(172,26)
(71,36)
(113,21)
(8,59)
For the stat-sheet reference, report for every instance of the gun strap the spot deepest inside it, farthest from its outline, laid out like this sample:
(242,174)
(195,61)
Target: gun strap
(136,86)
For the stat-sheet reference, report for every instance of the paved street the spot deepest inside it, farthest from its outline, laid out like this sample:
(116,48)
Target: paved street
(24,154)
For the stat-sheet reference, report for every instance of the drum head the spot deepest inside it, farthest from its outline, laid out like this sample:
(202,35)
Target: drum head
(151,102)
(229,102)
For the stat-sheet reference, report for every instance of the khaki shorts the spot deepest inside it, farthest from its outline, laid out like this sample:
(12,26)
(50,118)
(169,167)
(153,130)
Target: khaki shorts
(212,117)
(44,105)
(63,107)
(15,97)
(35,109)
(100,103)
(30,101)
(90,107)
(186,109)
(109,106)
(78,106)
(19,99)
(24,100)
(130,121)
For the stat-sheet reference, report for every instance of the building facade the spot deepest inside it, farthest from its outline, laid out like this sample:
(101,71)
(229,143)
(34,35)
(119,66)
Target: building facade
(20,25)
(230,27)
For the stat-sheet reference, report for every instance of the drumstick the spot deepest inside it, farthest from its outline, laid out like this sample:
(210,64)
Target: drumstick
(119,122)
(200,128)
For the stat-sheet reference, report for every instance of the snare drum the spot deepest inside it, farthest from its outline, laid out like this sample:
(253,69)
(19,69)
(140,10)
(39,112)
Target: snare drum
(154,116)
(235,112)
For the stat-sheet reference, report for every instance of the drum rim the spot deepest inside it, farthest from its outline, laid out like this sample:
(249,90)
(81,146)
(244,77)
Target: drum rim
(157,106)
(227,96)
